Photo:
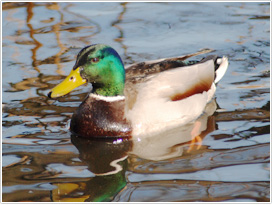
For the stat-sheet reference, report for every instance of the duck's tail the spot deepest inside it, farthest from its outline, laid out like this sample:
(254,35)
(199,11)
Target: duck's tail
(221,66)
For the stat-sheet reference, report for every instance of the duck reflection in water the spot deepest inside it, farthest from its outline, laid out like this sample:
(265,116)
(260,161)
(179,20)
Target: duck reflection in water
(173,142)
(109,160)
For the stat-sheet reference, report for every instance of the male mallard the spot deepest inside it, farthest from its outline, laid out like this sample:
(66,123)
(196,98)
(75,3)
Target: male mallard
(143,99)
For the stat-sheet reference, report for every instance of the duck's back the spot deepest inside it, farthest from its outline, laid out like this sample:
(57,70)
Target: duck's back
(162,100)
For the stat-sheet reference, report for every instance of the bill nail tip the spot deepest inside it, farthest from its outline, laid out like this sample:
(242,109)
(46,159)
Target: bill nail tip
(49,94)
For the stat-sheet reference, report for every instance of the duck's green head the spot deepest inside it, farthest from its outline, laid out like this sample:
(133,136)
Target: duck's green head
(98,64)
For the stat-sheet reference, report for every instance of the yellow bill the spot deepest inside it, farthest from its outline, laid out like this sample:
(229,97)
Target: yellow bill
(72,81)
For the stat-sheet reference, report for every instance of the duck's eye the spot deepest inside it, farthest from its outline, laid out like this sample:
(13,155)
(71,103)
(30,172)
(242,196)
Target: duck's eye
(95,60)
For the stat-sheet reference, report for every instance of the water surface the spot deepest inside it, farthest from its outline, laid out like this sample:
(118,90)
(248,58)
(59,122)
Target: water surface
(228,160)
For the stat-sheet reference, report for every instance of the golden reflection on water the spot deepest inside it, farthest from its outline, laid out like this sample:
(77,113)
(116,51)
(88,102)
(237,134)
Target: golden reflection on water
(31,33)
(56,28)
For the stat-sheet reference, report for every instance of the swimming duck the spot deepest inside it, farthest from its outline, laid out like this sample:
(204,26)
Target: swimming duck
(141,99)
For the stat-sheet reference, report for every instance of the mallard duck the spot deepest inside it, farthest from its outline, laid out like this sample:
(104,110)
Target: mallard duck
(141,99)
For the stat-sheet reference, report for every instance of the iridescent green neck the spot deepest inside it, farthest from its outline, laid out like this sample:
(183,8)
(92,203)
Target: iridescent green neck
(112,89)
(112,79)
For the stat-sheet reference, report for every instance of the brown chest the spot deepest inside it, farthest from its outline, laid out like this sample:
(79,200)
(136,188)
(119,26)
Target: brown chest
(100,118)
